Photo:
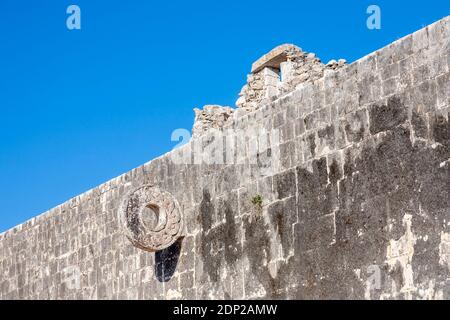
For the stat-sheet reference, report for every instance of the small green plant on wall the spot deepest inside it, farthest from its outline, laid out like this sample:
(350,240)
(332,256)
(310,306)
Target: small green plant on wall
(257,201)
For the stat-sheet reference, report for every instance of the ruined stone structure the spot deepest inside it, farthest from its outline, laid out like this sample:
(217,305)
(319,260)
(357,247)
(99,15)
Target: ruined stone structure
(342,193)
(280,71)
(211,116)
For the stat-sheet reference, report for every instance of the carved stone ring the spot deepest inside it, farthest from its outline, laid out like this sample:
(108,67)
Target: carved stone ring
(151,218)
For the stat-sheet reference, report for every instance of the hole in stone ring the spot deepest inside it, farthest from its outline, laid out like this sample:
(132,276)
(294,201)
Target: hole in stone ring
(152,217)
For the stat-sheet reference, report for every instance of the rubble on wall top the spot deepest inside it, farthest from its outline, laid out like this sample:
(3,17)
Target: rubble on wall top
(211,116)
(333,64)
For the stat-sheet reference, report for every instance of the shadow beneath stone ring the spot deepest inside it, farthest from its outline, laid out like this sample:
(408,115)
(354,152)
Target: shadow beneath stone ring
(166,261)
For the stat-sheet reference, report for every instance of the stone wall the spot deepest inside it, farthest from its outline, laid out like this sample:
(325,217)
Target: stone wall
(349,200)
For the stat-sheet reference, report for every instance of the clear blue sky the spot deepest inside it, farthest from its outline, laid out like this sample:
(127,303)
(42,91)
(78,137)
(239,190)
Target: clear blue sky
(78,108)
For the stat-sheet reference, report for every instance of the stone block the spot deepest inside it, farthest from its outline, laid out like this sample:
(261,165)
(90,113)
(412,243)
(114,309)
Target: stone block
(386,116)
(424,96)
(443,90)
(315,233)
(285,184)
(356,125)
(274,58)
(420,40)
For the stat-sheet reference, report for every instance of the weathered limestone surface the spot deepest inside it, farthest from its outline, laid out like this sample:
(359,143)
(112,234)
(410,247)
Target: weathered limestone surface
(358,206)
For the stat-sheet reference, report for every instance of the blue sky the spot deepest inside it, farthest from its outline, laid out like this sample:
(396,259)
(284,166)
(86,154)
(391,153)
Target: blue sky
(80,107)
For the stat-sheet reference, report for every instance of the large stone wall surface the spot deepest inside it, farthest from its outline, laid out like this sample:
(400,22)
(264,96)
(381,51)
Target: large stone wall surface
(355,203)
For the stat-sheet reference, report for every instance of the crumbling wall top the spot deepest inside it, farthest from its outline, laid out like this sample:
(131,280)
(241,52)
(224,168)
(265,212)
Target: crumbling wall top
(211,116)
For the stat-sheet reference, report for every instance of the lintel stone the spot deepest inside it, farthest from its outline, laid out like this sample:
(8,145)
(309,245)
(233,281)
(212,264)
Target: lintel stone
(274,58)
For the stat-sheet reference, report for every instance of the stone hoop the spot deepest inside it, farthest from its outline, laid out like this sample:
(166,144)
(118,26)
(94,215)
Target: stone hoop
(165,209)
